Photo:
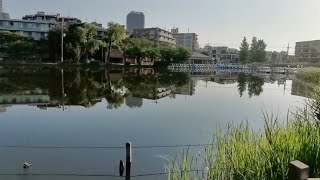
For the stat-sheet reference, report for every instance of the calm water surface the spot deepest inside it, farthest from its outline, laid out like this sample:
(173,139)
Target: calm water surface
(107,108)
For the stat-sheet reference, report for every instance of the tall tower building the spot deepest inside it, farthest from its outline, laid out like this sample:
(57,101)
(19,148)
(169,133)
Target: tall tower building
(3,15)
(135,20)
(1,10)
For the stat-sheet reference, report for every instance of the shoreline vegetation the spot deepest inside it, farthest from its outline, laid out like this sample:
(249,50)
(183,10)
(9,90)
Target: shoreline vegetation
(82,45)
(244,154)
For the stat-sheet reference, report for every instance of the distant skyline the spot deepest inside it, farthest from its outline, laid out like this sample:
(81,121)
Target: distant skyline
(219,22)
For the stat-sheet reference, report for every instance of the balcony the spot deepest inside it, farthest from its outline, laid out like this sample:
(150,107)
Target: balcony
(28,29)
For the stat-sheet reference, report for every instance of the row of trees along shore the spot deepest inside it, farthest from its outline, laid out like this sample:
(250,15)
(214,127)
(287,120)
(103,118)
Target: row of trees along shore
(81,43)
(254,53)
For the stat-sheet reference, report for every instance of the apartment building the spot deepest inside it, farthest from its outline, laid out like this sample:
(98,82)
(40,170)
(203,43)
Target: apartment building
(33,29)
(187,40)
(35,26)
(308,51)
(157,35)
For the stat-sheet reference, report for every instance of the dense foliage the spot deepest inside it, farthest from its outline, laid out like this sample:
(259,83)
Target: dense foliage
(244,51)
(81,42)
(85,87)
(20,47)
(254,53)
(310,75)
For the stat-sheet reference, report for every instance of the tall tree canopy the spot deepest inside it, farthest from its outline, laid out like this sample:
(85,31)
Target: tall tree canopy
(114,37)
(244,51)
(137,48)
(258,50)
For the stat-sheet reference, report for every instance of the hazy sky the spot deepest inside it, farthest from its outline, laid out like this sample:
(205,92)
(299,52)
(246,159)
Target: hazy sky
(219,22)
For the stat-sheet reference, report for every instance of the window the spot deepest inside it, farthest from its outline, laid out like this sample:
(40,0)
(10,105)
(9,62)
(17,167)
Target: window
(152,32)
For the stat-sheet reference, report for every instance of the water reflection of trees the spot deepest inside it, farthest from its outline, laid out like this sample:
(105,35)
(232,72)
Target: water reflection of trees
(85,87)
(251,83)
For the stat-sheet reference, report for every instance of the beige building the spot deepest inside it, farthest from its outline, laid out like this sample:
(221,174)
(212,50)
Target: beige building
(187,40)
(308,51)
(155,34)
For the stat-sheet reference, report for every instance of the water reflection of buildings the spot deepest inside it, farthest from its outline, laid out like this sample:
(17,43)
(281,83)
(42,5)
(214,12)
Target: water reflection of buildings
(3,109)
(36,96)
(188,89)
(301,89)
(118,86)
(134,102)
(155,94)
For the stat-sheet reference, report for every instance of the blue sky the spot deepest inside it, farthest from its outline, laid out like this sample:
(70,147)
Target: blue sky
(219,22)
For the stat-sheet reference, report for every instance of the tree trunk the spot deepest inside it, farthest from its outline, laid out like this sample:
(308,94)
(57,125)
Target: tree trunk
(138,60)
(109,51)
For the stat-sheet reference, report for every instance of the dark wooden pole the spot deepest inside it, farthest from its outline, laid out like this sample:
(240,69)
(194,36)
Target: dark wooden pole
(128,160)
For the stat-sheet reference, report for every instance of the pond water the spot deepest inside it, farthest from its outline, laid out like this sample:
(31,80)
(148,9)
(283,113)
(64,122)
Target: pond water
(86,116)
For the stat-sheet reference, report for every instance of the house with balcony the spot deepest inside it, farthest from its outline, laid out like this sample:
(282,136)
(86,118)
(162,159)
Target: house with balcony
(54,18)
(35,26)
(222,54)
(33,29)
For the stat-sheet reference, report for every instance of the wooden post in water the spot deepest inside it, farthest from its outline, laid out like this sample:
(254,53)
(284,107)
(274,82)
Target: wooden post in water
(298,171)
(128,160)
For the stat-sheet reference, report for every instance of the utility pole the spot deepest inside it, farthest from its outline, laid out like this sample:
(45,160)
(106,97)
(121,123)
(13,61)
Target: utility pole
(62,36)
(288,52)
(62,88)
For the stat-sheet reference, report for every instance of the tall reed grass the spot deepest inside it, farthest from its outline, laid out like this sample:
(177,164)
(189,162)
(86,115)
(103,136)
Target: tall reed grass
(309,75)
(243,154)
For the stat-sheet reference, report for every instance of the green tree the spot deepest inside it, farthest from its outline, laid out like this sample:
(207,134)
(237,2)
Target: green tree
(19,46)
(274,57)
(181,54)
(114,37)
(253,49)
(137,48)
(242,83)
(80,42)
(54,43)
(261,53)
(74,42)
(255,85)
(244,51)
(153,53)
(167,53)
(258,50)
(91,44)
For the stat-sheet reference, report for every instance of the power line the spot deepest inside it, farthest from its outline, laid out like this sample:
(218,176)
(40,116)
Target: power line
(104,147)
(94,175)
